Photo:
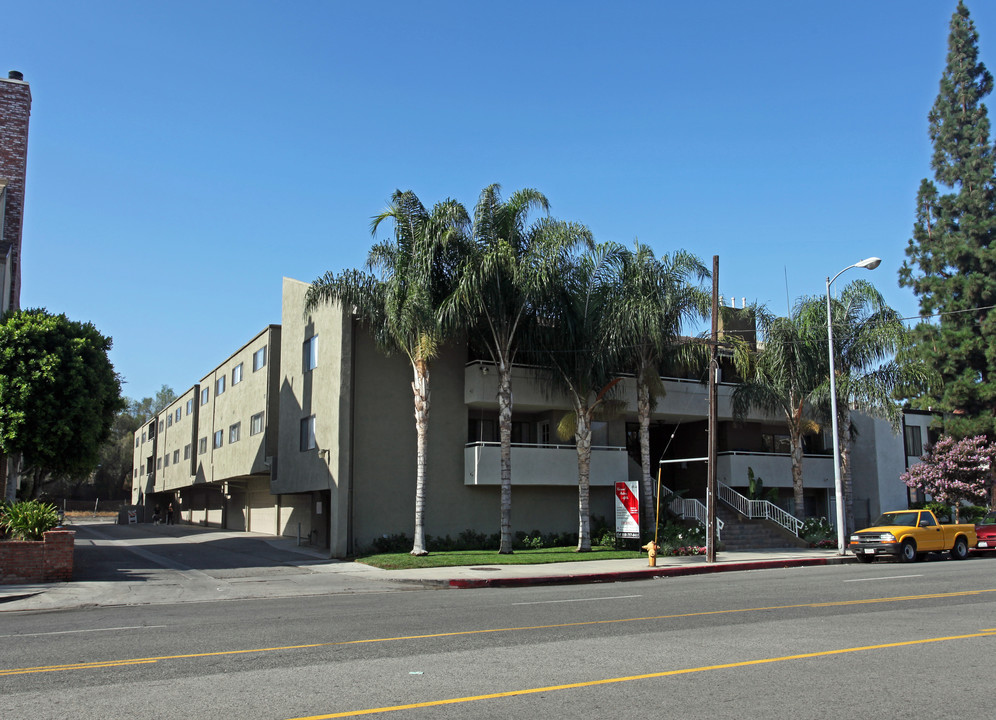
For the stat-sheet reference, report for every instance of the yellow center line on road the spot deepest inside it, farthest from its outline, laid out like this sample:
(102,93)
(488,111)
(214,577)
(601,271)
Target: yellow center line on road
(630,678)
(484,631)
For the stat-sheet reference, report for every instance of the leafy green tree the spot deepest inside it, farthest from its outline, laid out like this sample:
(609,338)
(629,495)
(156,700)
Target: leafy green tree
(651,301)
(399,301)
(873,362)
(58,394)
(781,378)
(582,356)
(508,269)
(950,263)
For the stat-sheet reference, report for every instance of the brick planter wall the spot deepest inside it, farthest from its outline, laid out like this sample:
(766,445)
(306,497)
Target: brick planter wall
(36,561)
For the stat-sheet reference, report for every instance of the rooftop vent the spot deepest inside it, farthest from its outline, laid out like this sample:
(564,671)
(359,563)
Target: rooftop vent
(15,75)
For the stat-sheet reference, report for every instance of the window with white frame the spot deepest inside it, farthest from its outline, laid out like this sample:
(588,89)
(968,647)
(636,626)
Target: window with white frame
(205,396)
(234,433)
(186,451)
(308,433)
(256,424)
(159,463)
(259,359)
(190,407)
(160,426)
(236,374)
(219,438)
(310,353)
(219,386)
(176,456)
(169,420)
(202,446)
(179,414)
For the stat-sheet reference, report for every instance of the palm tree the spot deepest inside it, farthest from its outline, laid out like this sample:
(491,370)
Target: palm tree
(580,353)
(399,299)
(653,297)
(781,378)
(873,360)
(508,268)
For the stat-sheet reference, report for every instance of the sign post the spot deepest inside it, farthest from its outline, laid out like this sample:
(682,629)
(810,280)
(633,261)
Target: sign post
(627,509)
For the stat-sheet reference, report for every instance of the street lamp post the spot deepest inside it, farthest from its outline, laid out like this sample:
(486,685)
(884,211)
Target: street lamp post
(838,483)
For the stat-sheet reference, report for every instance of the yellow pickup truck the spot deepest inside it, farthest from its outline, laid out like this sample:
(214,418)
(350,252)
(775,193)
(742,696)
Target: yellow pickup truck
(909,535)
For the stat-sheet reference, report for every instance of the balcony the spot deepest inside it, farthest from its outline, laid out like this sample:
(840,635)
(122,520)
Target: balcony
(542,464)
(775,469)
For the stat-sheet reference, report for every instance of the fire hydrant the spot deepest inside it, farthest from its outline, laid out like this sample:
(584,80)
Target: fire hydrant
(651,548)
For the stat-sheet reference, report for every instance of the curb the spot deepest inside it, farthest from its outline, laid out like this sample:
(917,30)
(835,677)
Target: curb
(649,573)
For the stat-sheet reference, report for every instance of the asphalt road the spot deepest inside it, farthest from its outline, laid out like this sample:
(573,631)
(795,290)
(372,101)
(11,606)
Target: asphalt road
(873,641)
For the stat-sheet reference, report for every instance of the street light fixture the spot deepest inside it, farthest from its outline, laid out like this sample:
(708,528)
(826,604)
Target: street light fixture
(870,264)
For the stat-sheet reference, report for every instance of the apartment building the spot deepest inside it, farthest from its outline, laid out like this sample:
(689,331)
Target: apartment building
(308,430)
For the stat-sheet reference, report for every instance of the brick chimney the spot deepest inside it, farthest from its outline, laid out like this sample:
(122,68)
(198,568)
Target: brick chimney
(15,109)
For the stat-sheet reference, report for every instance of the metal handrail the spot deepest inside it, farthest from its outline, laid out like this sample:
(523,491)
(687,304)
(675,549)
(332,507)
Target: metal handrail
(690,507)
(759,509)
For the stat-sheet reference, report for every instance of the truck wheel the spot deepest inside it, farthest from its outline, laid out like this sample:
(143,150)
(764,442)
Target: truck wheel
(865,558)
(959,551)
(907,551)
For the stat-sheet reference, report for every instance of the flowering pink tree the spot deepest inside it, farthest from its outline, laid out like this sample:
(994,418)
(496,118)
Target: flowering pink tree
(954,470)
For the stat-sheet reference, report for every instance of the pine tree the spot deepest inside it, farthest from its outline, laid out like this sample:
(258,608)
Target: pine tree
(951,263)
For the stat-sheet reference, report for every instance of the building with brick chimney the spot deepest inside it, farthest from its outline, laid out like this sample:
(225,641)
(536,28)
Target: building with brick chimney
(15,110)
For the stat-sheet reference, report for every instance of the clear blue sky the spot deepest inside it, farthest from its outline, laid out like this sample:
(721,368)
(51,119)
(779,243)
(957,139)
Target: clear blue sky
(184,156)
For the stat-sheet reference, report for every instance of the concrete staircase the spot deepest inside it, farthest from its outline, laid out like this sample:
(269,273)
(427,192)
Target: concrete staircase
(739,533)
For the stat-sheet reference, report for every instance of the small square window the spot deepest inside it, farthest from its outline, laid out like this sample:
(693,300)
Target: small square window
(308,433)
(205,396)
(234,433)
(219,438)
(310,354)
(259,359)
(219,386)
(256,424)
(186,451)
(236,374)
(202,446)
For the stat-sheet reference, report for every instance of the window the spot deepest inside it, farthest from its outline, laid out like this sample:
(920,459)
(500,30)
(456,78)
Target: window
(186,451)
(190,407)
(166,460)
(176,456)
(308,433)
(774,443)
(169,420)
(205,396)
(234,433)
(311,353)
(159,463)
(160,426)
(256,424)
(220,386)
(914,441)
(202,446)
(136,439)
(219,438)
(259,359)
(143,436)
(237,375)
(179,414)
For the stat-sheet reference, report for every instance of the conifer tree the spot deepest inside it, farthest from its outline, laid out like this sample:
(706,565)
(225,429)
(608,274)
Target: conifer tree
(951,258)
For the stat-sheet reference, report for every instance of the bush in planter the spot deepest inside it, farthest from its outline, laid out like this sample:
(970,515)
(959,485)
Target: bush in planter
(29,519)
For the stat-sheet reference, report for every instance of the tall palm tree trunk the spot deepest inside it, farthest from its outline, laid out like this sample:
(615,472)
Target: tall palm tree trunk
(505,430)
(584,473)
(420,388)
(646,482)
(798,488)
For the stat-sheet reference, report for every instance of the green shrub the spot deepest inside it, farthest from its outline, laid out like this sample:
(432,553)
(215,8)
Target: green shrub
(29,519)
(393,543)
(817,530)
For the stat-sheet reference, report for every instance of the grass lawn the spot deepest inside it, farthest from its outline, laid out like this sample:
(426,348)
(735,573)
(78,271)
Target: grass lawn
(404,561)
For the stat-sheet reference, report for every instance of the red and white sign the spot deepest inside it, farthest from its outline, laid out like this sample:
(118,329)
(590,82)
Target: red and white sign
(628,510)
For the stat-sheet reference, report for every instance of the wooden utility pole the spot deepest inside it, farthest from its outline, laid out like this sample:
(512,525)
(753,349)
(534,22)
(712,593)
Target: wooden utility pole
(713,412)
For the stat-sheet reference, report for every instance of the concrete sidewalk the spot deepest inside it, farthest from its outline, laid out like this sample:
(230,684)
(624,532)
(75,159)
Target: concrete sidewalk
(157,564)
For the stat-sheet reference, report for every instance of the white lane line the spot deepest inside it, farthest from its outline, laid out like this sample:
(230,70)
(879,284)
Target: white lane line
(548,602)
(891,577)
(70,632)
